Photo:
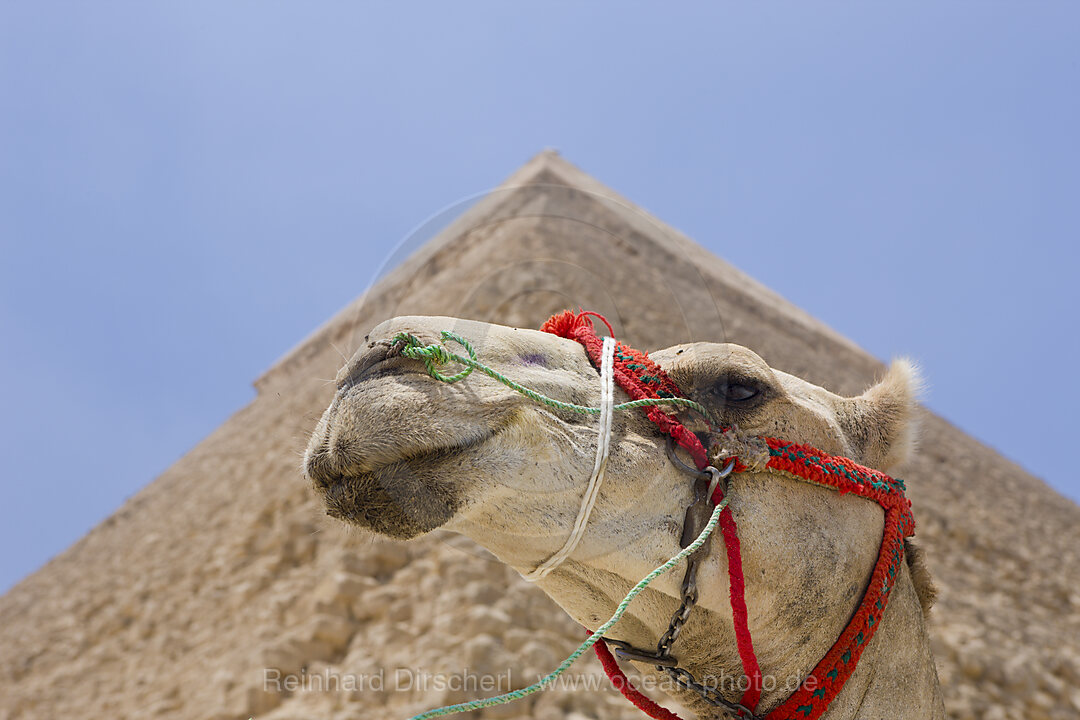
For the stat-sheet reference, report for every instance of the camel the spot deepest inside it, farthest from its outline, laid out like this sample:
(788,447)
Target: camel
(401,454)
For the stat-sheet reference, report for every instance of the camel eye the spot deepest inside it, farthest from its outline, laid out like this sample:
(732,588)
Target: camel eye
(736,392)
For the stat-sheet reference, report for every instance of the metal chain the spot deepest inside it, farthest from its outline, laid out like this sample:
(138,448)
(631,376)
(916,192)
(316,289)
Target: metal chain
(685,679)
(706,482)
(689,599)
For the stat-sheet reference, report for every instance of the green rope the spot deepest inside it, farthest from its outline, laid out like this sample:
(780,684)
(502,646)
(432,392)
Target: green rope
(592,639)
(434,355)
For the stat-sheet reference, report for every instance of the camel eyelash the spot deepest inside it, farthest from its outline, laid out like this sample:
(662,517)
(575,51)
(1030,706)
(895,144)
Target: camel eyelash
(722,389)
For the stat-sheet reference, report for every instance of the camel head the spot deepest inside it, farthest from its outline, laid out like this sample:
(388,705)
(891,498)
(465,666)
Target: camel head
(401,454)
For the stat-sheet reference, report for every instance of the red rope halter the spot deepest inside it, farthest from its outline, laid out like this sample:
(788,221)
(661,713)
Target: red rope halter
(641,378)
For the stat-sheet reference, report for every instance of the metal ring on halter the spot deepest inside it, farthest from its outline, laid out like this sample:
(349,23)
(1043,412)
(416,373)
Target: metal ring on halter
(710,473)
(719,477)
(673,456)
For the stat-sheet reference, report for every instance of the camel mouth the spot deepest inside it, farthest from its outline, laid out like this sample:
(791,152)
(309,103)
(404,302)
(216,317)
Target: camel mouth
(401,498)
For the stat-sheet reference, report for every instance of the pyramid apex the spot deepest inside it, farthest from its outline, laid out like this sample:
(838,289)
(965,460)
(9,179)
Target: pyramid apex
(540,168)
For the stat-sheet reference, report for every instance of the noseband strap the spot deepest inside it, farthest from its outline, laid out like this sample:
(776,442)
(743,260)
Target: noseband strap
(603,443)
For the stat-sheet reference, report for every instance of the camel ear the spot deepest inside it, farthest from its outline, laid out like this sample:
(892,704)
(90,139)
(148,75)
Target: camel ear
(881,423)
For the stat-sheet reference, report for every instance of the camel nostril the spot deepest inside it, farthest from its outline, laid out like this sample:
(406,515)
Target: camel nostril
(378,352)
(394,348)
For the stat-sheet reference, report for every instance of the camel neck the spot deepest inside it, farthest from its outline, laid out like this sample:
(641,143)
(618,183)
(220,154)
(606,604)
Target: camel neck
(896,678)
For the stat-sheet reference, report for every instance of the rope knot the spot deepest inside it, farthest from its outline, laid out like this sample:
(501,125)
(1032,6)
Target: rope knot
(434,355)
(751,451)
(438,354)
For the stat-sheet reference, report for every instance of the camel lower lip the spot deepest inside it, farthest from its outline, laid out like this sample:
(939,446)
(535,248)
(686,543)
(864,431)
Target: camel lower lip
(400,500)
(403,498)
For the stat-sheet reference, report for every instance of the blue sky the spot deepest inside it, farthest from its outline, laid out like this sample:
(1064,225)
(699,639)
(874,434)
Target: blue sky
(187,189)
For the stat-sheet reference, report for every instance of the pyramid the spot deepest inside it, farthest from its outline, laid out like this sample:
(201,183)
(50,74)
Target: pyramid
(222,579)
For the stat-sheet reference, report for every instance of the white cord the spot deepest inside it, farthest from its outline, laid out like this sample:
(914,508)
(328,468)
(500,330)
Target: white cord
(603,443)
